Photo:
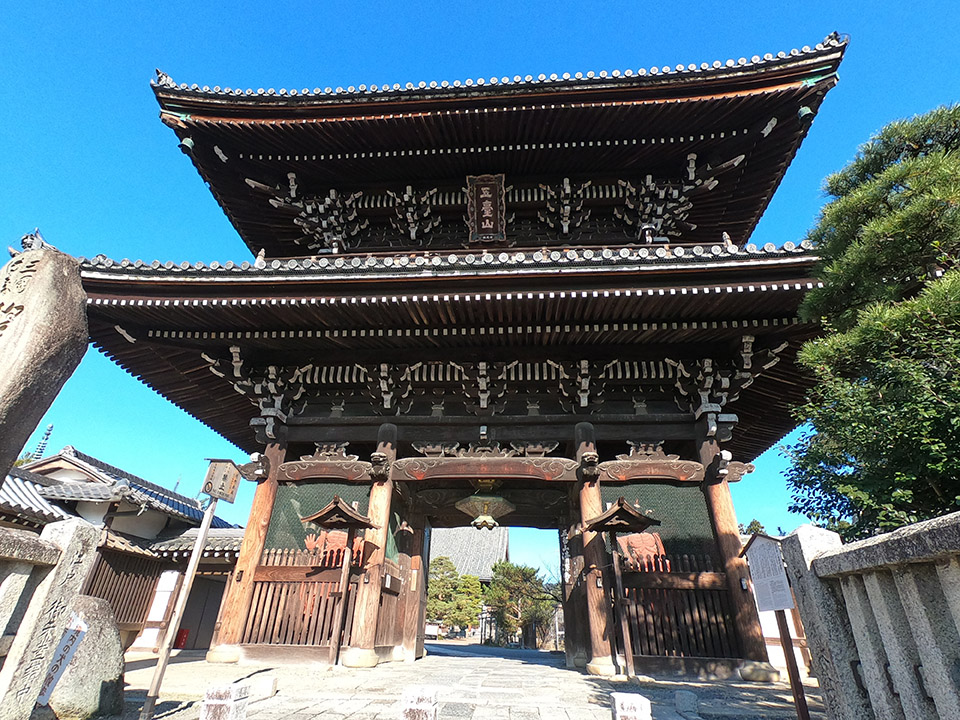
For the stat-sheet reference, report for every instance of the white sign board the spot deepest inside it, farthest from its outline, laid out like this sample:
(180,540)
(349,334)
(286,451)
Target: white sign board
(223,479)
(631,706)
(769,576)
(62,656)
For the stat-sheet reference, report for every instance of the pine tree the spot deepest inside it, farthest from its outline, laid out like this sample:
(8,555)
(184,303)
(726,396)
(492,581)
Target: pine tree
(885,413)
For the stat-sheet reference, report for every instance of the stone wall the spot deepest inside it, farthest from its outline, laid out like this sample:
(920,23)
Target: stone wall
(882,618)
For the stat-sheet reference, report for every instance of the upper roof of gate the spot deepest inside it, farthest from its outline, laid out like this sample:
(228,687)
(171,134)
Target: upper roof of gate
(694,152)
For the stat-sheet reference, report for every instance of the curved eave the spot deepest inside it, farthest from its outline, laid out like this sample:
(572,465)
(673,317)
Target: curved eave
(159,326)
(602,129)
(730,76)
(508,267)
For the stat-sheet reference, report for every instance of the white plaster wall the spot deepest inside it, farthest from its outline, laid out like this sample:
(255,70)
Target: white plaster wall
(145,525)
(68,475)
(92,512)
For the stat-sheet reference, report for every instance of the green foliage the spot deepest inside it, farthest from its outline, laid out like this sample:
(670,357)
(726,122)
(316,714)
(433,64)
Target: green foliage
(519,599)
(894,219)
(885,413)
(466,602)
(752,528)
(24,459)
(452,599)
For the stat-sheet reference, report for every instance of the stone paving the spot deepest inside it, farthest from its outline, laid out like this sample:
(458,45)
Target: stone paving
(472,683)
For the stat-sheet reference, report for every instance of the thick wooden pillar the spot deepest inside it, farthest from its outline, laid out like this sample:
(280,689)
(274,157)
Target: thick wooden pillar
(574,602)
(716,491)
(599,613)
(239,592)
(414,592)
(362,652)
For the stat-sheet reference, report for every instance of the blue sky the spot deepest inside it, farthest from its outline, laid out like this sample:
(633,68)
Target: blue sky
(86,160)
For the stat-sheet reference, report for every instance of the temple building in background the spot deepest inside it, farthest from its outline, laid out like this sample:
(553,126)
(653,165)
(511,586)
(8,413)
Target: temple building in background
(506,300)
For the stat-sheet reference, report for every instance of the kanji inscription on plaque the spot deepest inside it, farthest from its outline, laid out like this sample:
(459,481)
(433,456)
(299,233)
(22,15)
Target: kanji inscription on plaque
(486,208)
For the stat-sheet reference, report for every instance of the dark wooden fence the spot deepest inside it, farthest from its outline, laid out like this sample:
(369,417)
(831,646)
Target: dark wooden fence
(296,596)
(127,582)
(678,606)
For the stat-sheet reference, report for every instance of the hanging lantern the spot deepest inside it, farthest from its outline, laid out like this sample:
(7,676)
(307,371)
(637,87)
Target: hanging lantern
(485,509)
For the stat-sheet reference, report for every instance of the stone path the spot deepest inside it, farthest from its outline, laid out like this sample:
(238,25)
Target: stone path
(473,683)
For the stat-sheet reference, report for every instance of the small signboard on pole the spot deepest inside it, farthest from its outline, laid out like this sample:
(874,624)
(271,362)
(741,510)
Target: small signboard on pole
(768,573)
(223,479)
(771,586)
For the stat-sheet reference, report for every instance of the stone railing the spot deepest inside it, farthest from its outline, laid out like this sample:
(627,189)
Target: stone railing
(39,576)
(883,618)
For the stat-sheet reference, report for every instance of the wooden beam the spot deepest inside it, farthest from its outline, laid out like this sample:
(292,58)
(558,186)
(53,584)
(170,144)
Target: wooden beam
(414,590)
(234,617)
(295,573)
(655,427)
(361,652)
(599,614)
(675,581)
(723,349)
(726,532)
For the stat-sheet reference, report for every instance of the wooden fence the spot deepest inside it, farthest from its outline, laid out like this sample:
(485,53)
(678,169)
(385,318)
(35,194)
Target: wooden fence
(678,606)
(128,583)
(296,597)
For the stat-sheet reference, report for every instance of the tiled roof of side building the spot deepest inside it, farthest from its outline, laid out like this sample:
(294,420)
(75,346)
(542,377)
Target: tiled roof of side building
(220,540)
(20,494)
(82,491)
(473,552)
(138,490)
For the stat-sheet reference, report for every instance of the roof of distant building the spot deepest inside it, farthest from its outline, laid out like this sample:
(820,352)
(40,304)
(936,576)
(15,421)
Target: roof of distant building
(224,542)
(473,552)
(119,484)
(20,496)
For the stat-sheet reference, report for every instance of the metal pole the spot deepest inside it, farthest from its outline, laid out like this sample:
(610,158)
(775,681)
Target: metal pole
(148,706)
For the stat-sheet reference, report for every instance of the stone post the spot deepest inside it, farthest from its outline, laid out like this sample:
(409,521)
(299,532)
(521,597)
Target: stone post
(833,651)
(43,336)
(46,617)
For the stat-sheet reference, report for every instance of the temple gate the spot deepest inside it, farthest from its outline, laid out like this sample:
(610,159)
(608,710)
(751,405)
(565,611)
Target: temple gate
(526,297)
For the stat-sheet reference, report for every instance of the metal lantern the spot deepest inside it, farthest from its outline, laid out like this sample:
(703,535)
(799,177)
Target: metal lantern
(485,509)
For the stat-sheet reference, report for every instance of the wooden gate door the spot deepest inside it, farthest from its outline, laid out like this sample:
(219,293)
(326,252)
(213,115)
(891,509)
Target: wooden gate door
(296,598)
(677,606)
